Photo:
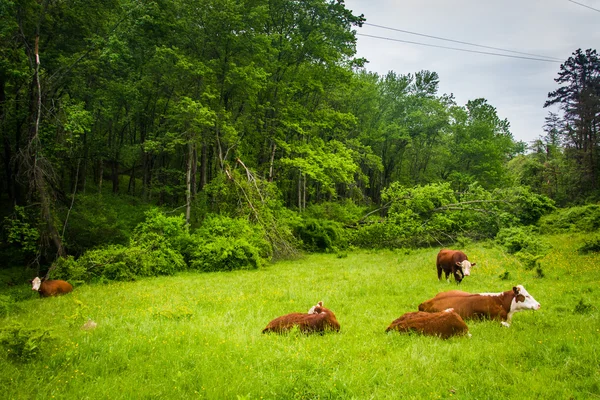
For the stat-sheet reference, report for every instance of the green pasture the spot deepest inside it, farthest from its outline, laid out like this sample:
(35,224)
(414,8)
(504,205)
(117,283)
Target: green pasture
(199,335)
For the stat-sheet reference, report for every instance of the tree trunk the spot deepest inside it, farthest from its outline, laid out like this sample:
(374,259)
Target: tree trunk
(188,183)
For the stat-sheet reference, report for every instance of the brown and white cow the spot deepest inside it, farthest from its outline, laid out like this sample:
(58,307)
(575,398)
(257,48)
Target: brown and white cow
(50,288)
(497,306)
(319,319)
(455,262)
(444,324)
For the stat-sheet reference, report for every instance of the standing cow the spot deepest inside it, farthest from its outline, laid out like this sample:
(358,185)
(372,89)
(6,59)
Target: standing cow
(455,262)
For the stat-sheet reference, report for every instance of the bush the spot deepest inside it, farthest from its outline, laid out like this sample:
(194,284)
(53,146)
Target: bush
(377,235)
(225,254)
(118,262)
(525,238)
(162,245)
(320,234)
(591,245)
(574,219)
(7,304)
(526,244)
(23,344)
(99,221)
(226,244)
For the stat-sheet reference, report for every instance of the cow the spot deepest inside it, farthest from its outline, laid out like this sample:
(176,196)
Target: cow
(322,319)
(50,288)
(455,262)
(496,306)
(312,309)
(443,324)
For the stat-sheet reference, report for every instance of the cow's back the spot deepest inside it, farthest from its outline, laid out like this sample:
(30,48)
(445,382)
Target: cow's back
(467,306)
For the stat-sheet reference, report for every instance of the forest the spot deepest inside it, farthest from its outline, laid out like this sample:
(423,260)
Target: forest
(143,138)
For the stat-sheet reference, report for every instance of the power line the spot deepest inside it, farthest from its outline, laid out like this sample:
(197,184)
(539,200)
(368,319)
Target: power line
(458,49)
(583,5)
(461,42)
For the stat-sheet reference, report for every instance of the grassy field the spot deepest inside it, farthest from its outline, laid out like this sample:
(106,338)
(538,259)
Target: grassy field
(199,335)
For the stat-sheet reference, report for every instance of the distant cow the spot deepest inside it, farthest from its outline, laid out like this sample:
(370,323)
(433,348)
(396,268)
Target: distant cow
(455,262)
(50,288)
(321,319)
(444,324)
(496,306)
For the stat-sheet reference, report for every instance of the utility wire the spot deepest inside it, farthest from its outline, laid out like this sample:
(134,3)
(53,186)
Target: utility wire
(583,5)
(458,49)
(467,43)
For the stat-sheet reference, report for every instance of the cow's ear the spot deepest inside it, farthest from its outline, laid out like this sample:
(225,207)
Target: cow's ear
(459,264)
(516,290)
(474,264)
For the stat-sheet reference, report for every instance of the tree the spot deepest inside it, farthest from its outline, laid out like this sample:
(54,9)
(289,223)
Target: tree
(579,101)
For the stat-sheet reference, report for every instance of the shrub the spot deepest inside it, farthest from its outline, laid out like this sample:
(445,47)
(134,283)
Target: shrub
(591,245)
(157,227)
(574,219)
(225,254)
(226,244)
(379,235)
(517,239)
(526,244)
(99,221)
(118,262)
(320,234)
(23,344)
(7,304)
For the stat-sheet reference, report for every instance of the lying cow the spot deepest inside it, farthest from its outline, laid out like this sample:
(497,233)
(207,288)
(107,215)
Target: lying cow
(319,319)
(50,288)
(496,306)
(444,324)
(455,262)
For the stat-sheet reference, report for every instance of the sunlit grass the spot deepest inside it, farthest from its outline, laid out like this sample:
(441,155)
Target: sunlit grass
(199,335)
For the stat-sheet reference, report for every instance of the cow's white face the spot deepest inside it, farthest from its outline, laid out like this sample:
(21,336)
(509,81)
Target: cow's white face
(523,300)
(466,267)
(35,284)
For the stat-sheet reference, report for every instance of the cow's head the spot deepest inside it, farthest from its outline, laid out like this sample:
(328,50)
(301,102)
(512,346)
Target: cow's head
(35,283)
(316,308)
(465,266)
(523,300)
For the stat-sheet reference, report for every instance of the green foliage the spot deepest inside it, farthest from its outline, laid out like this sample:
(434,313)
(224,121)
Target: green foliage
(526,244)
(117,262)
(7,304)
(574,219)
(24,344)
(158,227)
(517,239)
(226,244)
(379,234)
(345,212)
(204,331)
(101,220)
(583,307)
(590,245)
(320,234)
(225,254)
(505,276)
(21,230)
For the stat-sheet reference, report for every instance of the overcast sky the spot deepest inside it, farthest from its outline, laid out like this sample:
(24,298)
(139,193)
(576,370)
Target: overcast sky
(517,87)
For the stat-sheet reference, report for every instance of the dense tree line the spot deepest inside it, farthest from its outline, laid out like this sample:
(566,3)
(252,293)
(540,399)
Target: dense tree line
(173,102)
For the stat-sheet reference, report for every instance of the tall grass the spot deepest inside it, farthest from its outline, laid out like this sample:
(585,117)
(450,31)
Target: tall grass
(199,335)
